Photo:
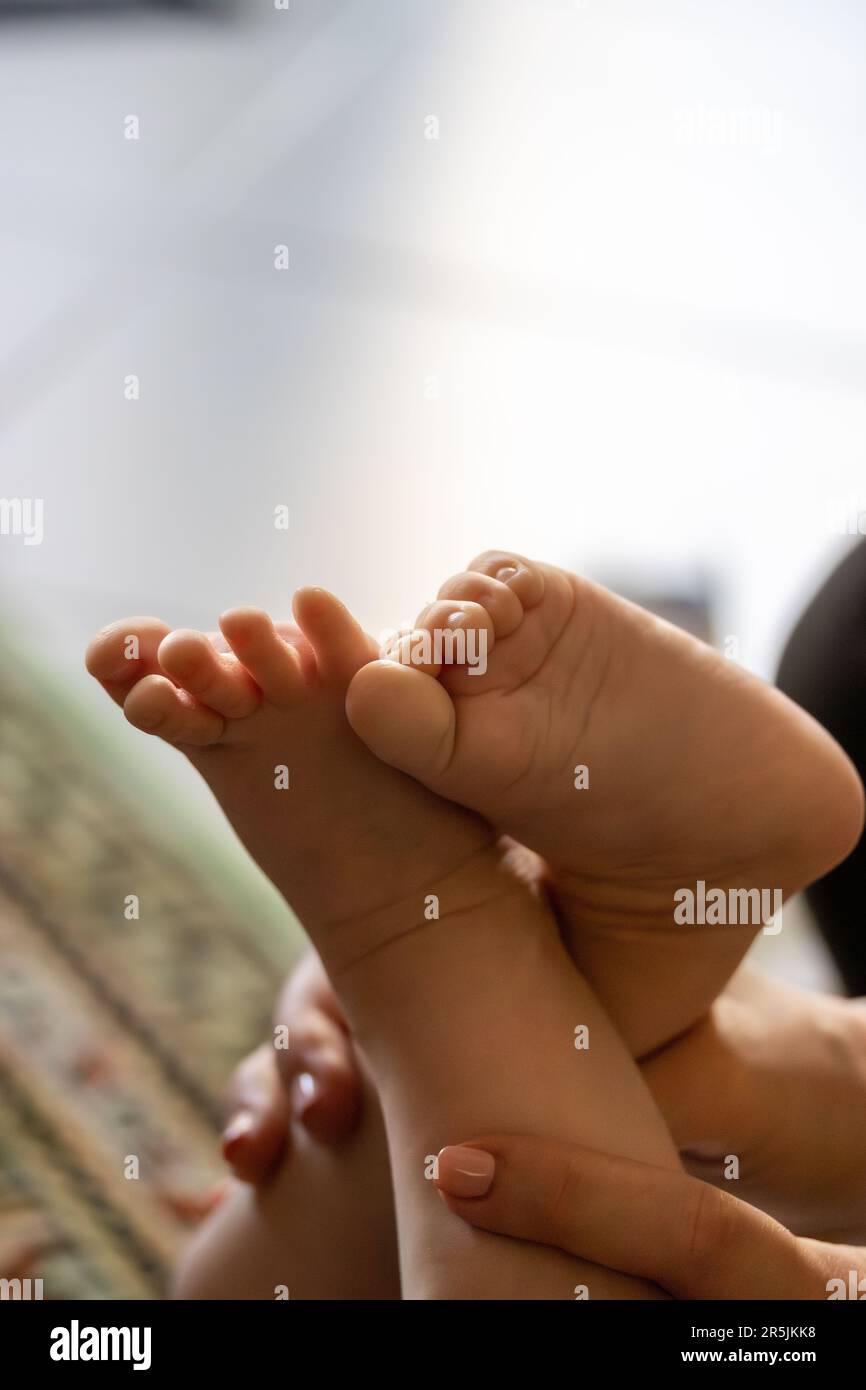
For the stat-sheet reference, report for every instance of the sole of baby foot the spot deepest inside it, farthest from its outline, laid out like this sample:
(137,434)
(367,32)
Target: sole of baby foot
(350,842)
(639,762)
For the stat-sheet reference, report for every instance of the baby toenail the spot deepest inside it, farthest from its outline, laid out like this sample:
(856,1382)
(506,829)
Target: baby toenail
(454,619)
(120,672)
(507,572)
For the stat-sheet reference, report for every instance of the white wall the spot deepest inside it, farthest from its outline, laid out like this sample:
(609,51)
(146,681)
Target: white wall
(633,260)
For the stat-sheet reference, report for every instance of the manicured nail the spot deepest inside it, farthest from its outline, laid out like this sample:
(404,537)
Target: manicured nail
(303,1093)
(235,1133)
(465,1172)
(507,572)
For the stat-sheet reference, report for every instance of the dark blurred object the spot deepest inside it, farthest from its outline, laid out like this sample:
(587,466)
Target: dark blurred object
(689,608)
(65,7)
(823,668)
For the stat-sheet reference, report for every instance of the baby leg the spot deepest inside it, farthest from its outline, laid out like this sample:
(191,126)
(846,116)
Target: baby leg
(322,1227)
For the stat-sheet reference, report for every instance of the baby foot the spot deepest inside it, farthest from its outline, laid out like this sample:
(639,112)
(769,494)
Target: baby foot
(260,712)
(636,760)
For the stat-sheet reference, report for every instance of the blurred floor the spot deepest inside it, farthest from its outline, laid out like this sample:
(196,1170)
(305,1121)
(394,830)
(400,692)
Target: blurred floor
(131,983)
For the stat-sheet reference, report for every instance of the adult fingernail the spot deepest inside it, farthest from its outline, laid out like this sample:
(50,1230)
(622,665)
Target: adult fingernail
(303,1093)
(217,1194)
(236,1132)
(465,1172)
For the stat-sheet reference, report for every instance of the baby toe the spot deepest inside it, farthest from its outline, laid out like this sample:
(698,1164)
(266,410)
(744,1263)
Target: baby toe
(501,602)
(125,651)
(269,659)
(216,680)
(404,718)
(340,643)
(156,706)
(459,633)
(523,576)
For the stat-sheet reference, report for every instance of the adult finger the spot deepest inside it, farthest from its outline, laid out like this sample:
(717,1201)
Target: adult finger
(658,1224)
(315,1054)
(258,1117)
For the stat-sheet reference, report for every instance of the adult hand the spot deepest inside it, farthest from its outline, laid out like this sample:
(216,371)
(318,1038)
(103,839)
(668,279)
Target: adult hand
(315,1081)
(682,1234)
(775,1078)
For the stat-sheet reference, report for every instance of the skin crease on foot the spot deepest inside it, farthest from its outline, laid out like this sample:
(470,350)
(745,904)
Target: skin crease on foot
(693,770)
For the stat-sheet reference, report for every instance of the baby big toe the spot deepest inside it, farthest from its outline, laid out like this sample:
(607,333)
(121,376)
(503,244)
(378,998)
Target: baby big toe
(272,663)
(340,643)
(404,717)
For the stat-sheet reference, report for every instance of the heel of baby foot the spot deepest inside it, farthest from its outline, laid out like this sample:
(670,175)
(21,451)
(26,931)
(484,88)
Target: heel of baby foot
(837,828)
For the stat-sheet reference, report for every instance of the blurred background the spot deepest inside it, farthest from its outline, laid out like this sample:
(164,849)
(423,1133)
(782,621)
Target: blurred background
(582,278)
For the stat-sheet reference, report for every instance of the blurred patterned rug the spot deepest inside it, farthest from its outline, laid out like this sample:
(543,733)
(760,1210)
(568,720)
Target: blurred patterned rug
(116,1036)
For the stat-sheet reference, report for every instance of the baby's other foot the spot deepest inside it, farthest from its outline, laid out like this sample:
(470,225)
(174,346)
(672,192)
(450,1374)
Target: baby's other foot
(260,712)
(636,760)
